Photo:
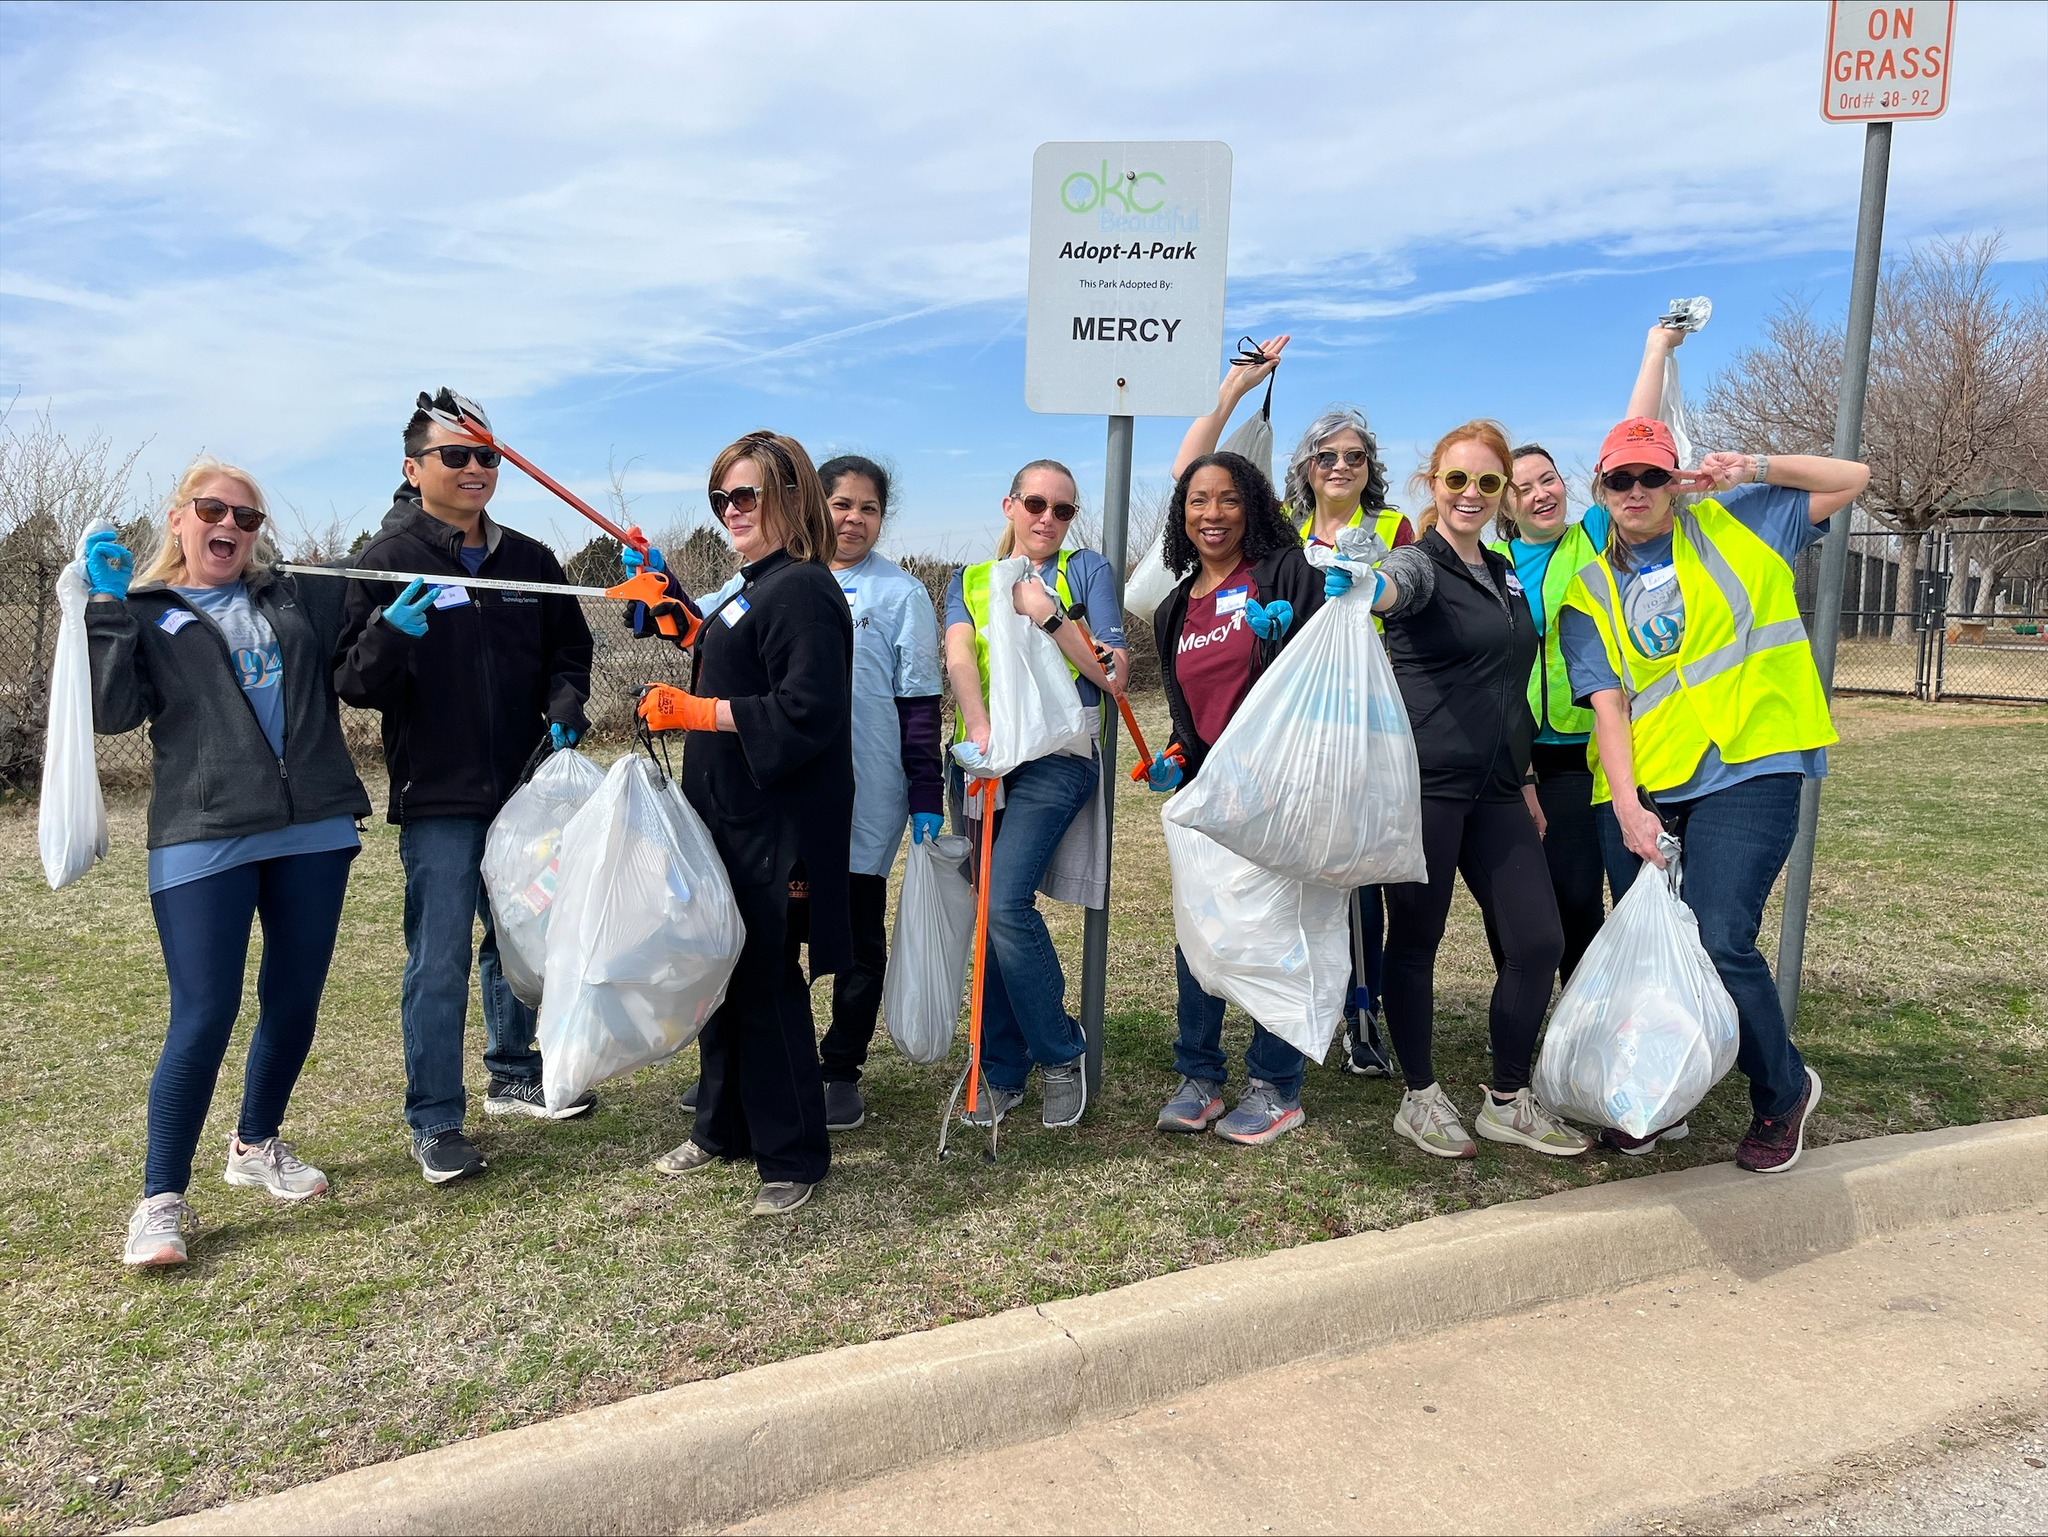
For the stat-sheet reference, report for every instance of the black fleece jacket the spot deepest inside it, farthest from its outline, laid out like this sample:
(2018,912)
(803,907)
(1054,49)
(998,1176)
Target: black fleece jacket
(465,704)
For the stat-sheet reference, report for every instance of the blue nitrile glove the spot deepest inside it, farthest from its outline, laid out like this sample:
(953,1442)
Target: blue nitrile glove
(1164,774)
(561,736)
(1336,581)
(1268,619)
(926,825)
(969,755)
(408,613)
(633,560)
(109,566)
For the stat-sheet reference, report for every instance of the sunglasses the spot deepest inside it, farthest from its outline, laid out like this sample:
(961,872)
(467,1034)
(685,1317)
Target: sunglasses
(1627,480)
(1490,483)
(1037,506)
(211,509)
(1352,457)
(456,456)
(741,499)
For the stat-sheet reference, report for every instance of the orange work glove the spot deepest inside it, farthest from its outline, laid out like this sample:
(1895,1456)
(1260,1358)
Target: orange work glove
(672,709)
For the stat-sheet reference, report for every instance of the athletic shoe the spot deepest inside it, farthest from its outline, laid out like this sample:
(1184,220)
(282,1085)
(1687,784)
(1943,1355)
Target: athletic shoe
(1066,1095)
(272,1165)
(447,1155)
(1429,1120)
(1525,1122)
(1621,1142)
(1260,1116)
(1364,1052)
(690,1096)
(687,1159)
(778,1198)
(525,1096)
(157,1229)
(844,1110)
(1773,1146)
(1194,1106)
(992,1107)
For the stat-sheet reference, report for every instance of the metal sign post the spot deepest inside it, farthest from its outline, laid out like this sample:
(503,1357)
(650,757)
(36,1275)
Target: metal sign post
(1883,62)
(1129,248)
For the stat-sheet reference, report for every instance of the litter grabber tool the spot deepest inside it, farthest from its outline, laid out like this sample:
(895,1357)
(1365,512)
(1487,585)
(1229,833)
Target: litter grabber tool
(1381,1064)
(973,1080)
(677,618)
(1079,615)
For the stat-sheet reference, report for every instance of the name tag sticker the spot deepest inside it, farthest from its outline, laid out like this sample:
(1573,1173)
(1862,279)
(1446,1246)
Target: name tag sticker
(450,597)
(175,620)
(1514,584)
(1231,599)
(851,594)
(734,612)
(1659,577)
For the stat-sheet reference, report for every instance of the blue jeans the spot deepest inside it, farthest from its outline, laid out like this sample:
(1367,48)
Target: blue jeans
(1198,1052)
(204,927)
(1024,1016)
(444,899)
(1735,842)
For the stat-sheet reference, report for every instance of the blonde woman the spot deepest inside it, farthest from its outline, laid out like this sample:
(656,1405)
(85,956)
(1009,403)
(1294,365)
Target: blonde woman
(252,815)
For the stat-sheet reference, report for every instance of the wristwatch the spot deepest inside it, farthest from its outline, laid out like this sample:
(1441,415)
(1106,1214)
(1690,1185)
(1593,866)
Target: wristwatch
(1052,622)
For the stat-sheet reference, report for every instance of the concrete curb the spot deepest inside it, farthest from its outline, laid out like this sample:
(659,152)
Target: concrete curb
(712,1453)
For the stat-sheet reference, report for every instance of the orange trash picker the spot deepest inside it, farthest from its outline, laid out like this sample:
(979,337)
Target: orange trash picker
(1079,615)
(973,1079)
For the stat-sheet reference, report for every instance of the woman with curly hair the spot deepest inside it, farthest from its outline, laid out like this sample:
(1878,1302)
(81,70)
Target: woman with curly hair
(1245,585)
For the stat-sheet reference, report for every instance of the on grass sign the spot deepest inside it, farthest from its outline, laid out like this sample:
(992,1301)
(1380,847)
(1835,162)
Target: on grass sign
(1887,62)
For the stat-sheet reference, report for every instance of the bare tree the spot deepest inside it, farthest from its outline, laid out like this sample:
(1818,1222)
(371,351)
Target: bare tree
(1958,384)
(50,487)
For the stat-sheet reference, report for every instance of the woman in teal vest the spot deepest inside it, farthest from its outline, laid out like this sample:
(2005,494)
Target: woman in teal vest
(1024,1014)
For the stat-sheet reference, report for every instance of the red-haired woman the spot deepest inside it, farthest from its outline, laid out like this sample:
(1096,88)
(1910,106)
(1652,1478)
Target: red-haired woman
(1462,642)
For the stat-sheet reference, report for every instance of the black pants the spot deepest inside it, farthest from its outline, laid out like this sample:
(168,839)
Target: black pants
(760,1095)
(1571,847)
(857,991)
(1493,844)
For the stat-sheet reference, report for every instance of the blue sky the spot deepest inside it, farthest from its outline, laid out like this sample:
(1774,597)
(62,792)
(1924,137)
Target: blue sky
(634,232)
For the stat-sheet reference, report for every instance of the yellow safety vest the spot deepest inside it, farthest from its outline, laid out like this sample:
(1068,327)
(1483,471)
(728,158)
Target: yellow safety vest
(1550,686)
(974,595)
(1742,680)
(1386,524)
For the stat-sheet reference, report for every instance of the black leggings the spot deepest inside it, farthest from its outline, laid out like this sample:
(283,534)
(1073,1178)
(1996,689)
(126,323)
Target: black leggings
(1493,844)
(1571,847)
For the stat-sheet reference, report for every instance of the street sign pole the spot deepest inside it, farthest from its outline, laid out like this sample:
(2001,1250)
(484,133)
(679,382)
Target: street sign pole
(1834,550)
(1116,520)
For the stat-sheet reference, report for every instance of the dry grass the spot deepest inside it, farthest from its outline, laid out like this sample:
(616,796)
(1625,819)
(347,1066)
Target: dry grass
(391,1317)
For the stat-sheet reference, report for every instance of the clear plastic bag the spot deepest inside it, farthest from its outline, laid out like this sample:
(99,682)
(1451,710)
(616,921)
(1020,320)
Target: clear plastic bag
(1315,776)
(1033,710)
(1151,584)
(931,948)
(1277,948)
(523,863)
(71,816)
(1645,1028)
(643,936)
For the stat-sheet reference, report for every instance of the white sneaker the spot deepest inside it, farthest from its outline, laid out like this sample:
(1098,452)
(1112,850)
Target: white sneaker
(272,1165)
(1525,1122)
(157,1229)
(1429,1120)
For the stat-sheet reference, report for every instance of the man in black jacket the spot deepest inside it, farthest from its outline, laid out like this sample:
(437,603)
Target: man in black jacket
(468,689)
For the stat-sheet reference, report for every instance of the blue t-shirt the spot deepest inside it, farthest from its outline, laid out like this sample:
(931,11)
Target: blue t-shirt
(1093,586)
(259,668)
(895,656)
(472,557)
(1653,611)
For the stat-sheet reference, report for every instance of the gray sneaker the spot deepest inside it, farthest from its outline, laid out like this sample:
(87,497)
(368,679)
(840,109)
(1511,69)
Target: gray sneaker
(686,1159)
(1195,1105)
(157,1229)
(778,1198)
(844,1110)
(1066,1094)
(272,1165)
(1527,1122)
(994,1105)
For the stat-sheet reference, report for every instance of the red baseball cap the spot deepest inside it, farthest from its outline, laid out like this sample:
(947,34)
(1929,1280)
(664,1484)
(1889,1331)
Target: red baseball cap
(1639,440)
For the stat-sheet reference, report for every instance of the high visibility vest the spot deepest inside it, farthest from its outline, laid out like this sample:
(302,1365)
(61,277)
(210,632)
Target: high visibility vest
(1550,687)
(1742,680)
(974,594)
(1386,525)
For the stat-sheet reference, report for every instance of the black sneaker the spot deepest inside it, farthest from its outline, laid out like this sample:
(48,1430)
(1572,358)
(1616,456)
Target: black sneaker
(1364,1052)
(447,1155)
(525,1096)
(843,1108)
(690,1096)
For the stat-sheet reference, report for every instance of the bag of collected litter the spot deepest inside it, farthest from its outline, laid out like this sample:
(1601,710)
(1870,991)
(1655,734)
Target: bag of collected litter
(1151,584)
(643,936)
(71,817)
(1315,776)
(523,862)
(930,950)
(1645,1027)
(1033,710)
(1277,948)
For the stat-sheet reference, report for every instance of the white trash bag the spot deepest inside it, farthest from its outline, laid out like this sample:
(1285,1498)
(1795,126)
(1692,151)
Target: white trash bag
(1645,1028)
(71,816)
(1315,777)
(930,950)
(523,862)
(1686,315)
(1033,710)
(1151,584)
(1277,948)
(643,936)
